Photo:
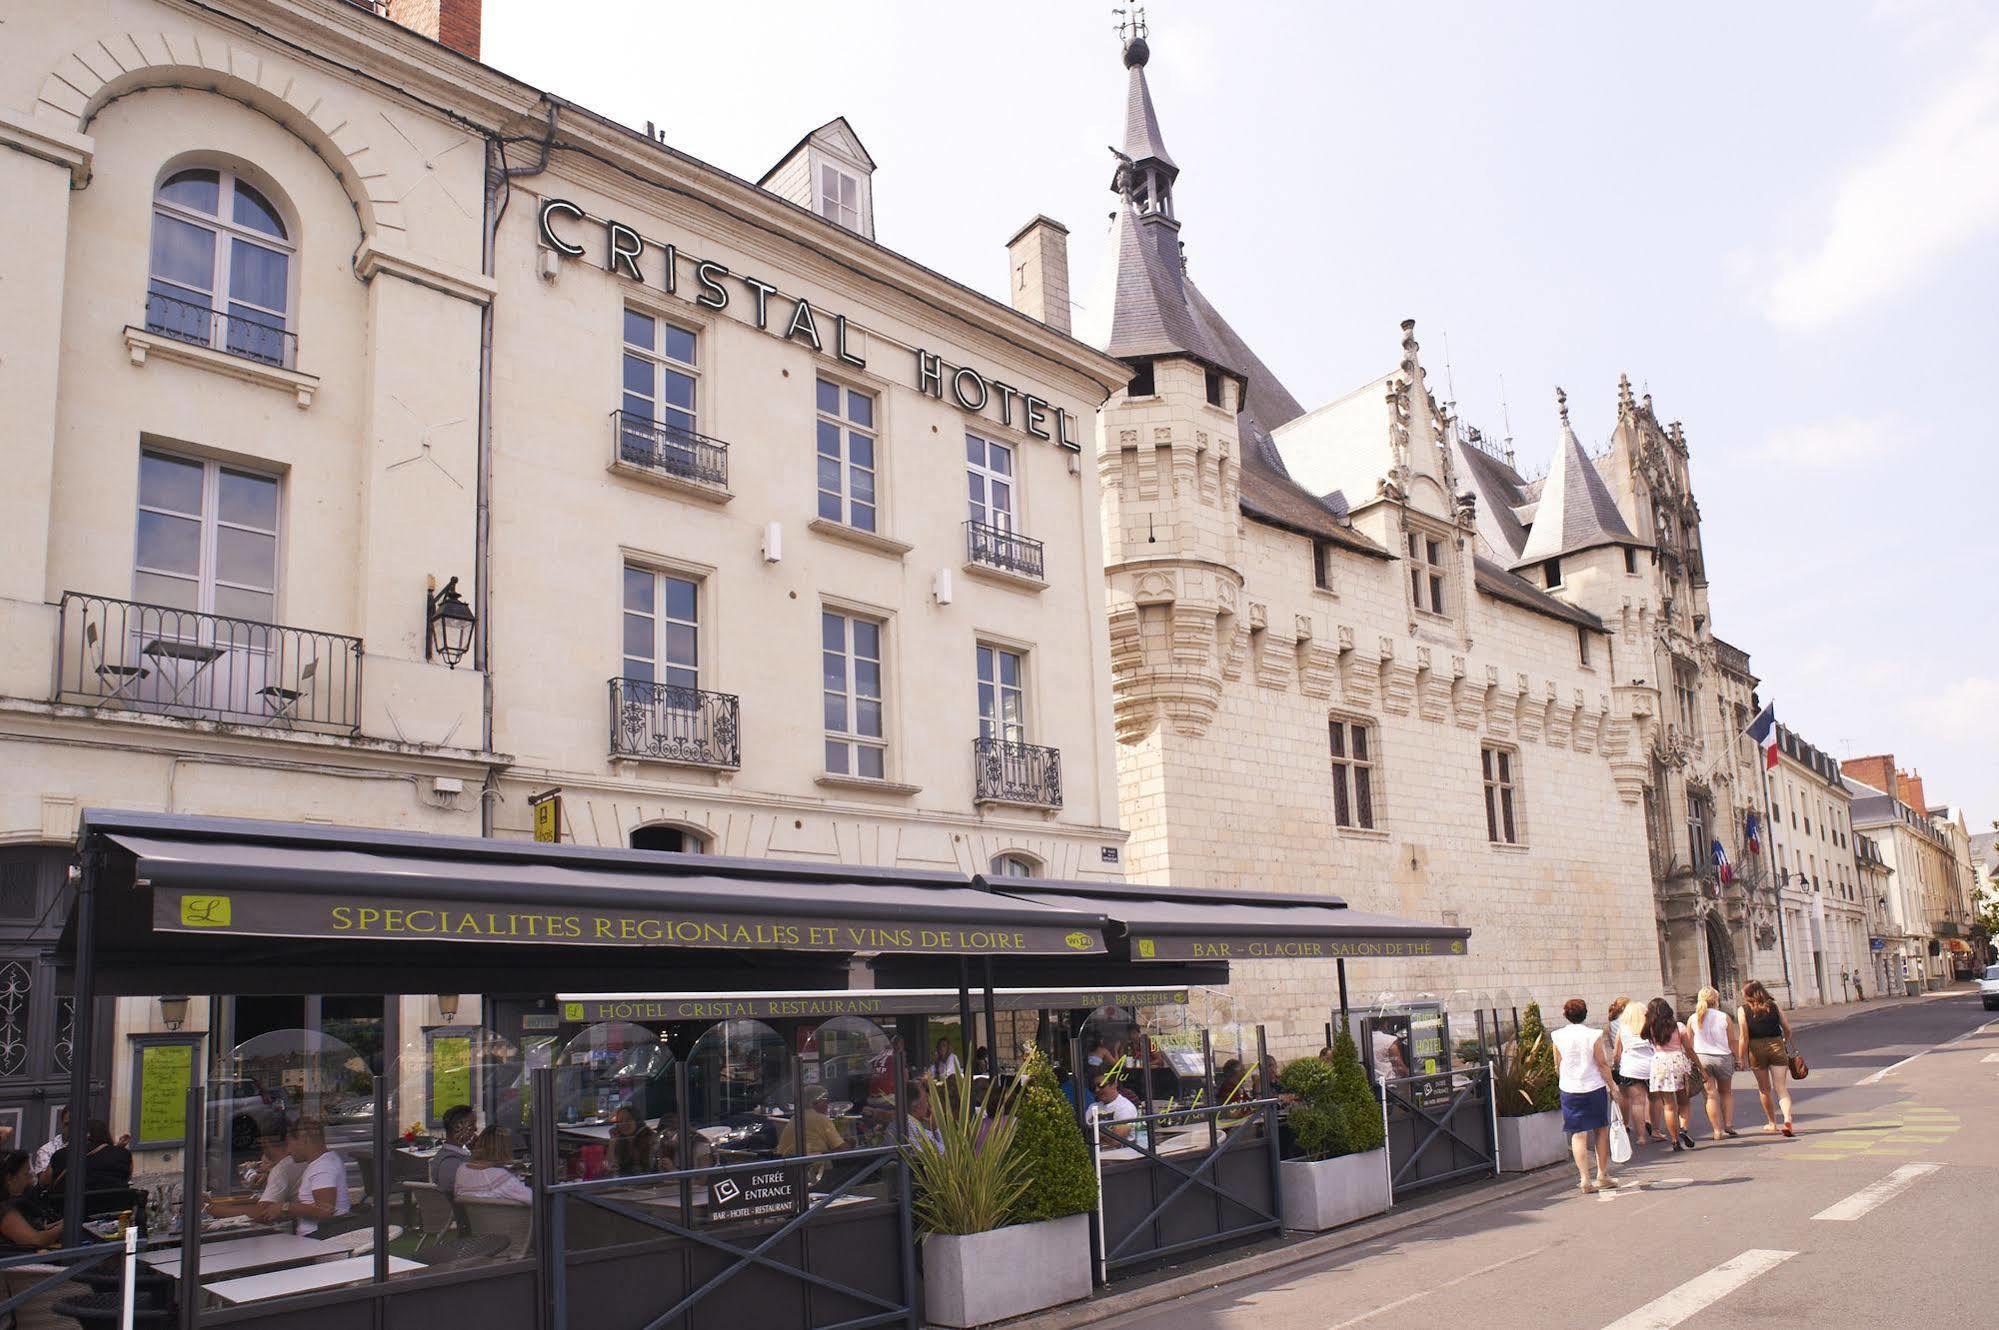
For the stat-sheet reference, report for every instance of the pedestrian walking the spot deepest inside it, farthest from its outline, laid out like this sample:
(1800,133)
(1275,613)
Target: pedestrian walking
(1714,1053)
(1584,1075)
(1764,1041)
(1672,1068)
(1631,1069)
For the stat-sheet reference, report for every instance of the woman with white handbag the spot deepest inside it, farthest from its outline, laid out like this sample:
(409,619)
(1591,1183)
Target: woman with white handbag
(1584,1079)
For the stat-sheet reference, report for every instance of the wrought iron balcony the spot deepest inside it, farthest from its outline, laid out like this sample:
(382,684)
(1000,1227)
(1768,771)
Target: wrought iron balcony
(252,338)
(128,656)
(665,723)
(1008,551)
(1017,773)
(669,450)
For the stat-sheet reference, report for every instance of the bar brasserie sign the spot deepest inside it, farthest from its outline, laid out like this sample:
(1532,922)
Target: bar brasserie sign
(297,914)
(626,254)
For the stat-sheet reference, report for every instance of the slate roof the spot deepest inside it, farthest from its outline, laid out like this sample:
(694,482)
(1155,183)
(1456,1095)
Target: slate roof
(1152,315)
(1576,512)
(1142,141)
(791,152)
(1500,584)
(1498,488)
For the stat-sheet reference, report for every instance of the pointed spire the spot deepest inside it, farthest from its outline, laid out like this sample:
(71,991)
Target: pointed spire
(1142,140)
(1576,511)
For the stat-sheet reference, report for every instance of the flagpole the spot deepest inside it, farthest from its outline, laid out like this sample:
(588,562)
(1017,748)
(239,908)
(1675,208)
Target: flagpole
(1776,874)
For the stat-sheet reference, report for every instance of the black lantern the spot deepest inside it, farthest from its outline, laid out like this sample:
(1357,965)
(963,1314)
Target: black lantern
(448,624)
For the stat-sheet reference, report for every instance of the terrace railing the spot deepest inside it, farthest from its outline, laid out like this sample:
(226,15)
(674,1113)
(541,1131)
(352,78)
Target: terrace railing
(128,656)
(673,724)
(250,336)
(997,547)
(1017,773)
(668,450)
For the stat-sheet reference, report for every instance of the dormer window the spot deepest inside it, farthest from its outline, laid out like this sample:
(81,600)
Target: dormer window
(839,196)
(1427,572)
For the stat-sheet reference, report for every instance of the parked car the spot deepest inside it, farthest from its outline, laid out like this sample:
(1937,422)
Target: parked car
(248,1110)
(1988,988)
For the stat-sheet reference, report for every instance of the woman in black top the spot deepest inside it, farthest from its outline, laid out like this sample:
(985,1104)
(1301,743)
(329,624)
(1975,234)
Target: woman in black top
(1763,1042)
(106,1166)
(19,1232)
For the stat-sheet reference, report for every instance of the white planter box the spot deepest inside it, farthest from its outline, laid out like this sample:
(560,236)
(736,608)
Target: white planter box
(1319,1194)
(1532,1142)
(978,1278)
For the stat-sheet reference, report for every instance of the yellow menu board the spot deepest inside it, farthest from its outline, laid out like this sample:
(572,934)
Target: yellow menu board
(165,1073)
(450,1073)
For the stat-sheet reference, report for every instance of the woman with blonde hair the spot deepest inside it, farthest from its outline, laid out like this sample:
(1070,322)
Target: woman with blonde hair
(1763,1041)
(1714,1052)
(1632,1070)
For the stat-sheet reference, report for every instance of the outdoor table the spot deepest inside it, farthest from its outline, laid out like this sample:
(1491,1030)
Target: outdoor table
(200,654)
(304,1279)
(260,1253)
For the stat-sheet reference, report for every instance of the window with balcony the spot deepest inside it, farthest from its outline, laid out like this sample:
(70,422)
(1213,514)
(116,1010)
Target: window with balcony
(851,685)
(846,446)
(658,412)
(1352,743)
(1009,769)
(220,275)
(1502,825)
(658,708)
(991,538)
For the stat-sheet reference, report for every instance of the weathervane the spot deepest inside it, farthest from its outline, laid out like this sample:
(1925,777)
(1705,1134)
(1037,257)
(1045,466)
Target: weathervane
(1131,22)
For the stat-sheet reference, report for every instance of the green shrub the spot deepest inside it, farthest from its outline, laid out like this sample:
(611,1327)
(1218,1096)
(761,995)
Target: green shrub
(1543,1083)
(1336,1112)
(1050,1145)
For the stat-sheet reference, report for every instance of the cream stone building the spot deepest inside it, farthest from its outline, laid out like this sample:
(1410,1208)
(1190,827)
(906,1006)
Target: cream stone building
(1926,908)
(1825,912)
(1324,681)
(327,343)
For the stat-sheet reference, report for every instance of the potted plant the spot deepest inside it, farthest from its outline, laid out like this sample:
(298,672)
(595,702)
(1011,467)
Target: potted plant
(1002,1201)
(1527,1098)
(1342,1172)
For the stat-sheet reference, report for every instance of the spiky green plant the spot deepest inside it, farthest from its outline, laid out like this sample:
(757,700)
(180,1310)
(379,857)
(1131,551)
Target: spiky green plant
(968,1177)
(1538,1055)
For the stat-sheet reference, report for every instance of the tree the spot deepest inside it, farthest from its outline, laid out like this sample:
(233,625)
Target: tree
(1337,1112)
(1060,1180)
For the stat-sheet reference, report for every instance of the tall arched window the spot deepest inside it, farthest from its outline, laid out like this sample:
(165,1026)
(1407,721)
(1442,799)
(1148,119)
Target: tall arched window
(221,269)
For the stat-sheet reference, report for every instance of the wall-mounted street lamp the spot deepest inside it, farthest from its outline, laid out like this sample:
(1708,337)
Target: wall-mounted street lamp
(173,1012)
(448,624)
(447,1007)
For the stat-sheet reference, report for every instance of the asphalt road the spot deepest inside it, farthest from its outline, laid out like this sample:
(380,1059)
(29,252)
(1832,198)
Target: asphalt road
(1882,1211)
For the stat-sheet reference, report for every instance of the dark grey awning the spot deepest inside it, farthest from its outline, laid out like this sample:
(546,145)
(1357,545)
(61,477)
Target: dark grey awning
(209,886)
(593,1007)
(1169,924)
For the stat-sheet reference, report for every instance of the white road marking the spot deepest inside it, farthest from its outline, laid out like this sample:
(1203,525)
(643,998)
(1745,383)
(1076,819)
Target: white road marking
(1875,1193)
(1976,1030)
(1403,1302)
(1990,1057)
(1630,1188)
(1702,1291)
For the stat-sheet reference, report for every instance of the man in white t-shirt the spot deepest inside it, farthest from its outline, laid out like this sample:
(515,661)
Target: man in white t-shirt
(321,1193)
(278,1173)
(1112,1114)
(1584,1079)
(1388,1063)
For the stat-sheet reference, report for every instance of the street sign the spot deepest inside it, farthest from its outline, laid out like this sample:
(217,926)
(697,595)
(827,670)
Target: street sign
(547,817)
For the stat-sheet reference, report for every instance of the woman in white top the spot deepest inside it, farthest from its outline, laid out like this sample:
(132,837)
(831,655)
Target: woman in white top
(945,1064)
(1714,1049)
(1584,1077)
(1632,1070)
(486,1177)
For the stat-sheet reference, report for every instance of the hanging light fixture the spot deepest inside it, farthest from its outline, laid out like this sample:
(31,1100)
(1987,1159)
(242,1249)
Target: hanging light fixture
(173,1012)
(448,625)
(447,1007)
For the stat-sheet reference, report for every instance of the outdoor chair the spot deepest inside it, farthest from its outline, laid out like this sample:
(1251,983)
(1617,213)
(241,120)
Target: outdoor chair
(120,679)
(108,1309)
(501,1219)
(433,1210)
(154,1288)
(361,1216)
(38,1312)
(456,1253)
(283,702)
(355,1242)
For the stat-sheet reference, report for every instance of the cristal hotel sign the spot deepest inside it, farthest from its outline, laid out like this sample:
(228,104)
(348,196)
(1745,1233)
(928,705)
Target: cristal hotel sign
(626,254)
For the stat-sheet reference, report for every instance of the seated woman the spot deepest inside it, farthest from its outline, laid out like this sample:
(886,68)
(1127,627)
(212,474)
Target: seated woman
(19,1232)
(634,1145)
(106,1166)
(486,1175)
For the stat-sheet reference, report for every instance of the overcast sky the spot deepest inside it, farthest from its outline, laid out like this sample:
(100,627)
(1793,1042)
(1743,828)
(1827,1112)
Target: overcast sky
(1777,218)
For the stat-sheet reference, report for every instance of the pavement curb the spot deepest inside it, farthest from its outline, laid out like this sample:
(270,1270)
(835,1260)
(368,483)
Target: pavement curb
(1107,1303)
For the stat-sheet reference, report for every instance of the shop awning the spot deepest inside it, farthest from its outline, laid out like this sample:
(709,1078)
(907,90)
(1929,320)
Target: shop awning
(593,1007)
(1161,924)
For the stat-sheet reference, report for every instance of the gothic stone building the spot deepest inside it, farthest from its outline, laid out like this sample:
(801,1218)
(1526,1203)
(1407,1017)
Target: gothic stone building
(1329,678)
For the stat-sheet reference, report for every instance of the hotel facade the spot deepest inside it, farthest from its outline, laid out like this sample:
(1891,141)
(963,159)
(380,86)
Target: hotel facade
(394,445)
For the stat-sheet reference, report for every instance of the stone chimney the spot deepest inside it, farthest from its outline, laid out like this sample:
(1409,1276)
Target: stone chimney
(1878,771)
(1912,792)
(455,23)
(1038,272)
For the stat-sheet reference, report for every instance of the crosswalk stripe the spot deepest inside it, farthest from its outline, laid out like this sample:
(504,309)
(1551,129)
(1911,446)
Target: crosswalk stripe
(1876,1193)
(1702,1291)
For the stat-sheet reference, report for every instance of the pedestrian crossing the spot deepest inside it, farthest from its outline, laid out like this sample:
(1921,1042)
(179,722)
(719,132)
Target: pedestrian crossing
(1900,1129)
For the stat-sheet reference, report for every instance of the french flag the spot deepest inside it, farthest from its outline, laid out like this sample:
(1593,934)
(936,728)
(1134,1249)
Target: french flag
(1764,731)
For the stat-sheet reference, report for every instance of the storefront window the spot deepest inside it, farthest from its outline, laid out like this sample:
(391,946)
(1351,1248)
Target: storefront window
(739,1089)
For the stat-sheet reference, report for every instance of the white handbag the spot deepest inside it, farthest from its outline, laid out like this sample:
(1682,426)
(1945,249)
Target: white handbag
(1620,1137)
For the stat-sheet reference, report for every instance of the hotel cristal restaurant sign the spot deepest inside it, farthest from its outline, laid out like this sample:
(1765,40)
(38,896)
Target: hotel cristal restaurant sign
(626,253)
